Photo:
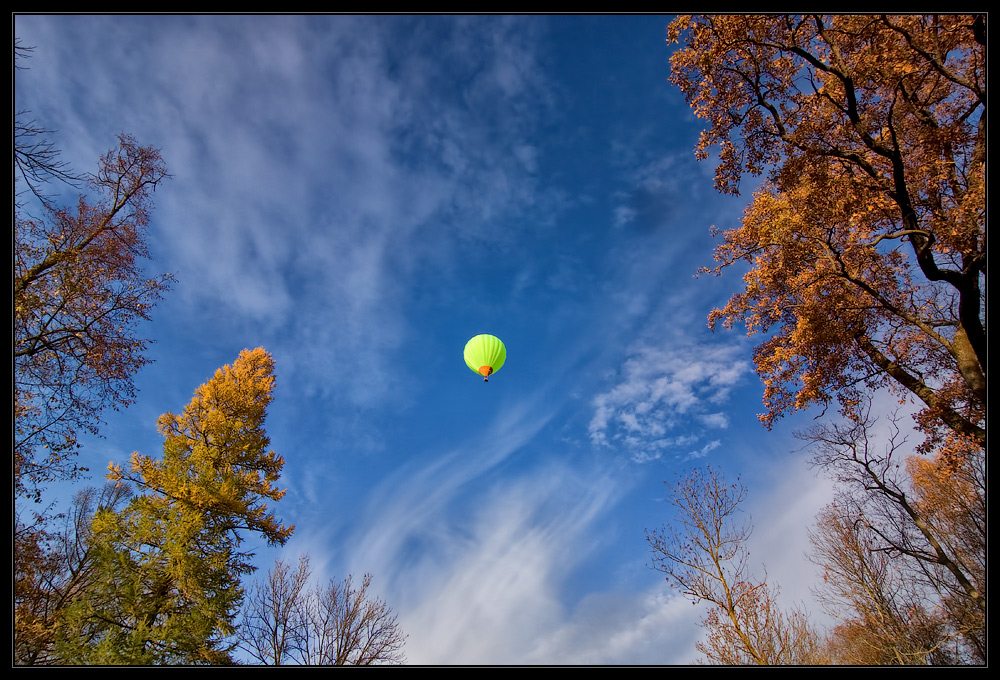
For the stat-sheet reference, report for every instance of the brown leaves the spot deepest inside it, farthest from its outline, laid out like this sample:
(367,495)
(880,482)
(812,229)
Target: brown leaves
(866,250)
(79,293)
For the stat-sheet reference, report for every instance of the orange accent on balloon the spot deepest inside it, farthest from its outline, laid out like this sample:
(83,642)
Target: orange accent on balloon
(485,370)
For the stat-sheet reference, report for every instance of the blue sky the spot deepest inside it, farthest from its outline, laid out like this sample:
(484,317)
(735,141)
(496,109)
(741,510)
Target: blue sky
(362,195)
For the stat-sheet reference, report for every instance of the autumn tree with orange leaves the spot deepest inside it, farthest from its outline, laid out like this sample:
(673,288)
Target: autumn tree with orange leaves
(867,241)
(902,548)
(866,247)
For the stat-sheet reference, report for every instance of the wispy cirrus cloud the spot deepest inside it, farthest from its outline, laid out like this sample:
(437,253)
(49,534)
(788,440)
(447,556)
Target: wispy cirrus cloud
(491,586)
(319,168)
(653,627)
(345,190)
(476,562)
(502,571)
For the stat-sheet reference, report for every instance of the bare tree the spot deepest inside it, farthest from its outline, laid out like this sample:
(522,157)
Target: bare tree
(349,628)
(903,547)
(704,554)
(273,625)
(285,622)
(36,159)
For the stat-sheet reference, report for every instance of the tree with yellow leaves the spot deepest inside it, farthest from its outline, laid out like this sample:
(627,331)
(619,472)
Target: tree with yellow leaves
(171,561)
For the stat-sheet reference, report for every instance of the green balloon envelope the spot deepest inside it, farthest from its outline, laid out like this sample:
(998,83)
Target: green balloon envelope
(485,354)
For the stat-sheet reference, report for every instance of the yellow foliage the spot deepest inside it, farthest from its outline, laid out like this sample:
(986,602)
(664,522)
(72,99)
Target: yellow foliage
(216,456)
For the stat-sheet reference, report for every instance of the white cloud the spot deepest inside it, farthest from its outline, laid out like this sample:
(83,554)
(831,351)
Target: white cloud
(704,451)
(652,628)
(312,224)
(320,169)
(477,563)
(719,421)
(662,391)
(490,590)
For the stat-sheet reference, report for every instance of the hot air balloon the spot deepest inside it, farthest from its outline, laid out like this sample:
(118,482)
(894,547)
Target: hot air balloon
(485,354)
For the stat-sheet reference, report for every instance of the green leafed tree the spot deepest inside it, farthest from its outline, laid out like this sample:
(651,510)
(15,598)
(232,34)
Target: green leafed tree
(54,565)
(171,561)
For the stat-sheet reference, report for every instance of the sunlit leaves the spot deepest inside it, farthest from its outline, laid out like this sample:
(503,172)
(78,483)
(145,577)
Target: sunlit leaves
(867,241)
(172,560)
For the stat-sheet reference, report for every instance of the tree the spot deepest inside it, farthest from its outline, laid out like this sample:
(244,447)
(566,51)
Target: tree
(52,568)
(284,622)
(867,242)
(273,625)
(171,561)
(351,628)
(36,159)
(79,292)
(885,613)
(903,548)
(704,555)
(867,269)
(952,498)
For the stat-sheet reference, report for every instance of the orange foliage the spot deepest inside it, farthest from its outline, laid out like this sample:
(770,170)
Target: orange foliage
(867,242)
(951,495)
